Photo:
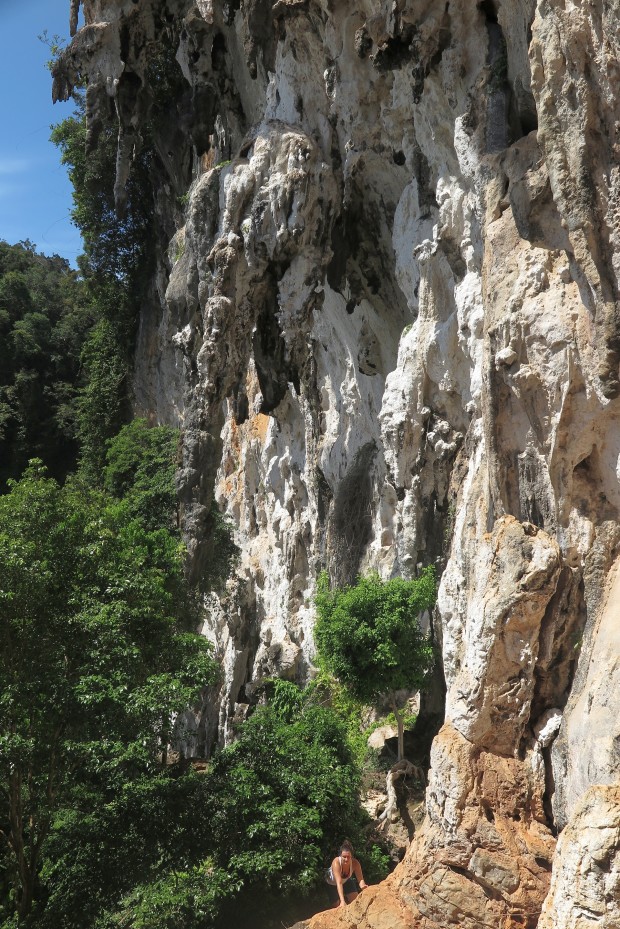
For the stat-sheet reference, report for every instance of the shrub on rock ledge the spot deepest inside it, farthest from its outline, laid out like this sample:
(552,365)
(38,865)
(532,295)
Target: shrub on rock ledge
(368,635)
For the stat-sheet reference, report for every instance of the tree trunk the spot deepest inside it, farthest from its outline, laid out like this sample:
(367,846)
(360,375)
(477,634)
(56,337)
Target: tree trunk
(27,896)
(400,725)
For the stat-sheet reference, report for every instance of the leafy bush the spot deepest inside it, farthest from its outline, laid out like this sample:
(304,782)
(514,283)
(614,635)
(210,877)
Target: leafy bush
(288,790)
(326,690)
(369,637)
(114,859)
(182,899)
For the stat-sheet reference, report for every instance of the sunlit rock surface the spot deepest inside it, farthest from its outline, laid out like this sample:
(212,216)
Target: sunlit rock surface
(387,322)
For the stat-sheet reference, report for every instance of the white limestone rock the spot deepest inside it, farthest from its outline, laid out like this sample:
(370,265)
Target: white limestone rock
(388,326)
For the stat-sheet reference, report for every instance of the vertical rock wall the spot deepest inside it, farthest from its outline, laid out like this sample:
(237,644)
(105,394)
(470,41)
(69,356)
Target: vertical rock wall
(387,324)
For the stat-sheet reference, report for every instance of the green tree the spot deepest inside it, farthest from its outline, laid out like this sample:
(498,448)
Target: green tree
(96,659)
(285,789)
(208,849)
(121,857)
(44,322)
(273,804)
(368,635)
(121,241)
(116,265)
(140,470)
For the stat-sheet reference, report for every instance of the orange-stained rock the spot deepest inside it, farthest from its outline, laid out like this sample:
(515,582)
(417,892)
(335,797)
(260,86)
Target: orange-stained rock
(481,859)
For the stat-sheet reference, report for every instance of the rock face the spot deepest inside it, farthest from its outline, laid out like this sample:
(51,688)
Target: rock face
(388,326)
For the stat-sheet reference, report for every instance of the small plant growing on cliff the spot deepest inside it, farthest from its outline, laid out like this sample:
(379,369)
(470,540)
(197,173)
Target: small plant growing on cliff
(368,635)
(179,251)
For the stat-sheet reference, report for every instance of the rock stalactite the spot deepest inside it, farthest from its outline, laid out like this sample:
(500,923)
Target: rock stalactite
(388,326)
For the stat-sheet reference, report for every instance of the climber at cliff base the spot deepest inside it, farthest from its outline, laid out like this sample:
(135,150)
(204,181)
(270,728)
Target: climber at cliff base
(344,877)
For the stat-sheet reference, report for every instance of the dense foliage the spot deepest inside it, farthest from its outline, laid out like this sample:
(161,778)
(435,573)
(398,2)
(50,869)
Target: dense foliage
(120,239)
(44,322)
(210,849)
(369,637)
(95,656)
(115,266)
(140,471)
(97,669)
(264,821)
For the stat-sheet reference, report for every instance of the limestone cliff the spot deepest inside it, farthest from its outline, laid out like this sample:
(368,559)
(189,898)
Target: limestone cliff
(388,325)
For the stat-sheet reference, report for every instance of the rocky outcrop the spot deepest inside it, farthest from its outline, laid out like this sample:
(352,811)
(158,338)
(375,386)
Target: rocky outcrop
(387,324)
(585,886)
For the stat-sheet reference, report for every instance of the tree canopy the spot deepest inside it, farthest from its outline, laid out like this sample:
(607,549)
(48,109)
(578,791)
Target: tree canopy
(97,665)
(215,847)
(96,657)
(44,322)
(139,470)
(368,635)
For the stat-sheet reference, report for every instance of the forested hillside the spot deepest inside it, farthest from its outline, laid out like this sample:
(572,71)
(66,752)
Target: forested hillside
(44,321)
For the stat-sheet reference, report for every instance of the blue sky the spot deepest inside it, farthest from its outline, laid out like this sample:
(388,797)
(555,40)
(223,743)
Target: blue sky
(35,193)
